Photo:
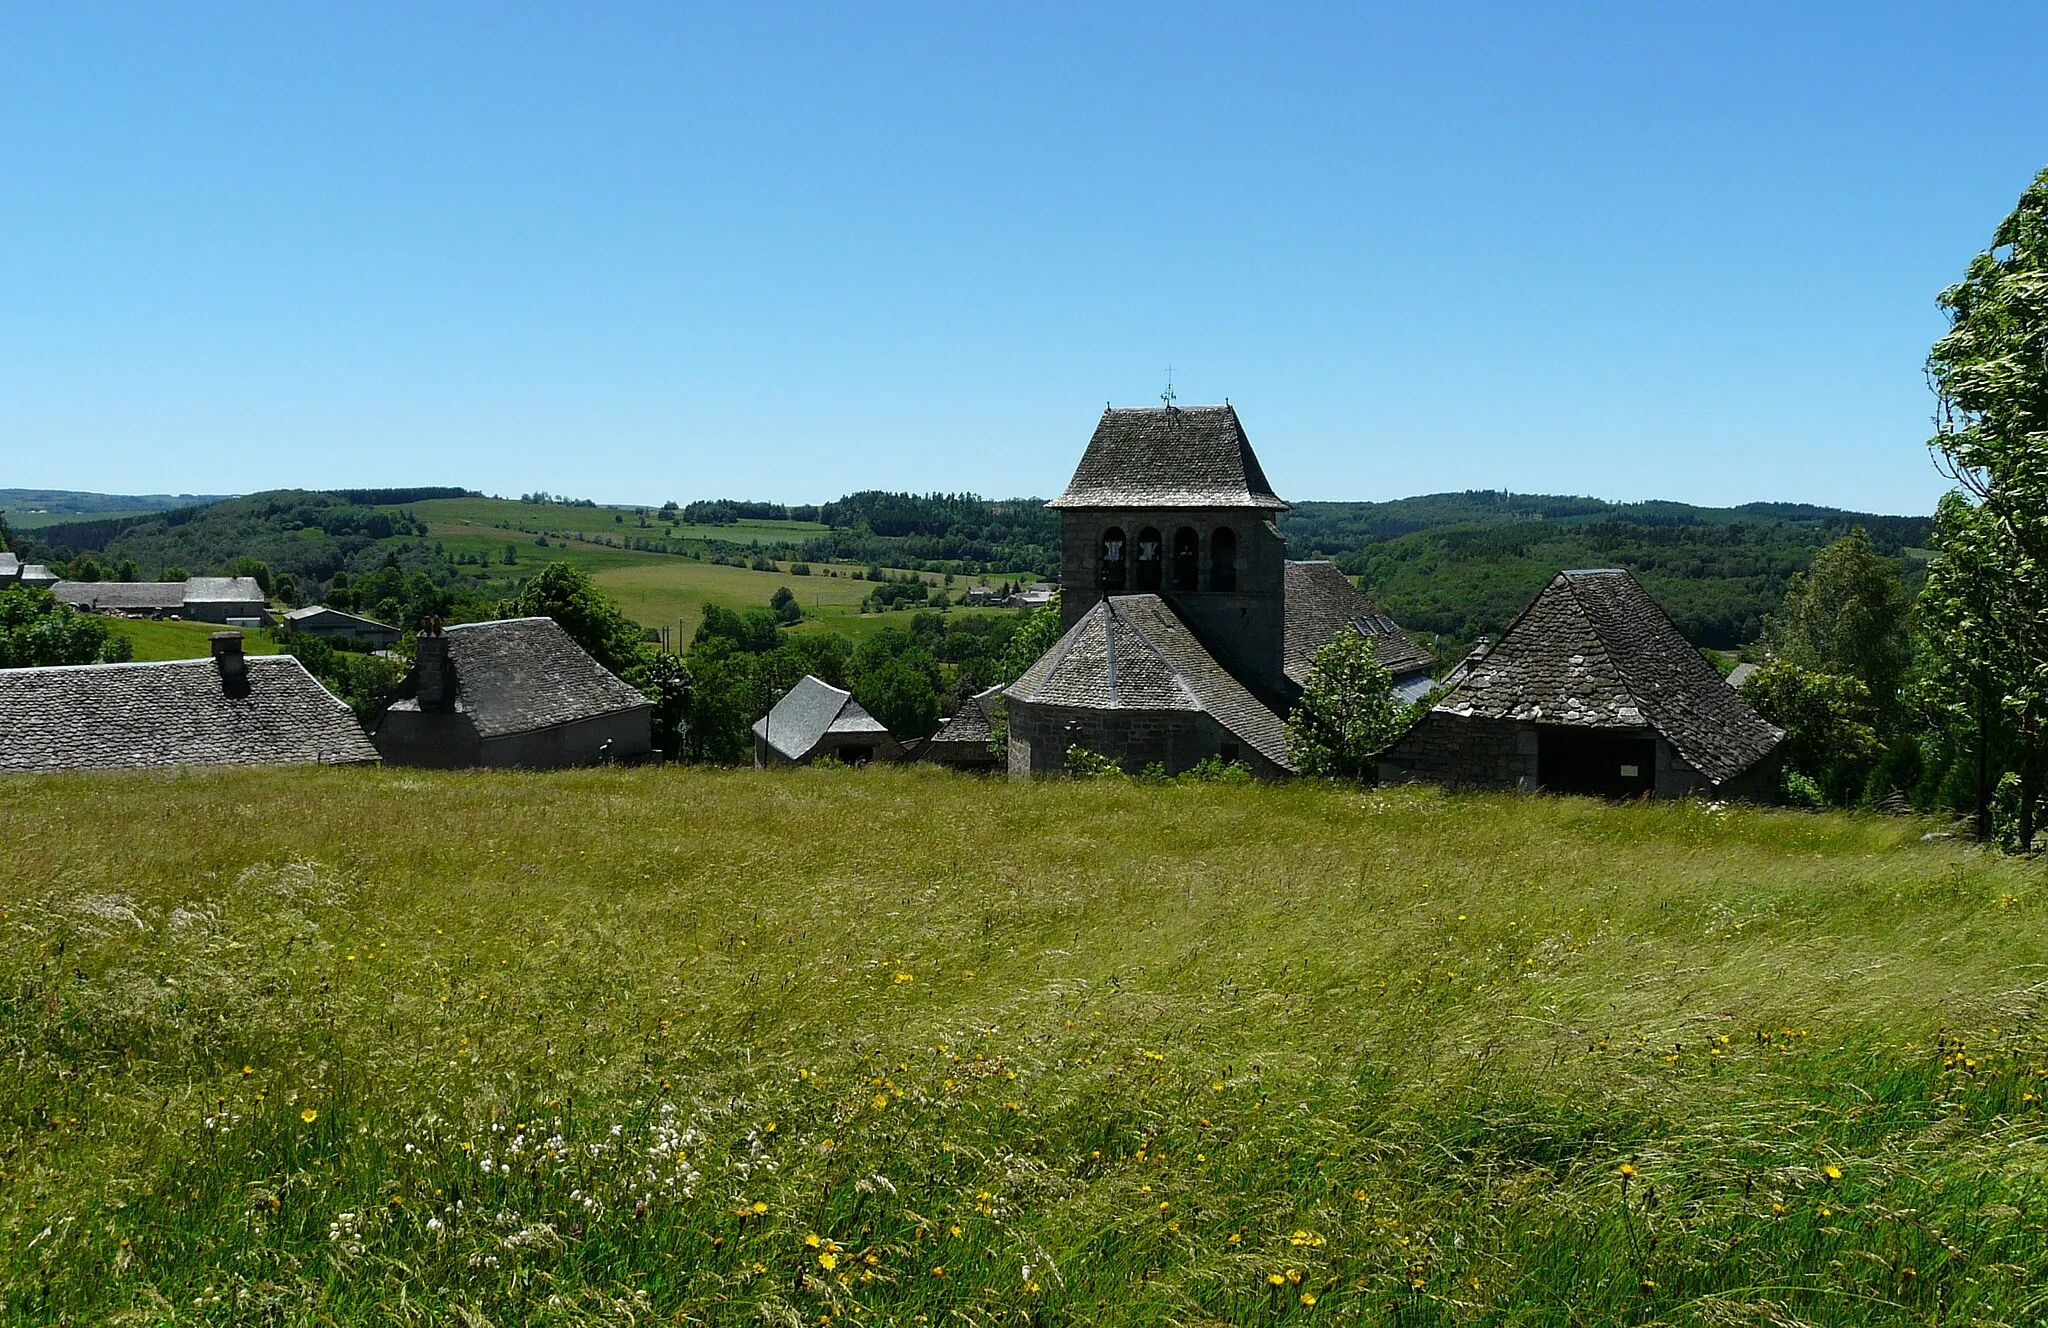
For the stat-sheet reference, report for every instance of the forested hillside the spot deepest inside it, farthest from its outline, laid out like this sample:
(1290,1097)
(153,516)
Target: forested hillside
(1458,565)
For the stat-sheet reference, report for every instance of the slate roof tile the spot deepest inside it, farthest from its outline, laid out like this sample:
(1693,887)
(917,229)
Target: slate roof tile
(516,675)
(134,716)
(1172,456)
(1321,601)
(1593,649)
(1132,652)
(809,711)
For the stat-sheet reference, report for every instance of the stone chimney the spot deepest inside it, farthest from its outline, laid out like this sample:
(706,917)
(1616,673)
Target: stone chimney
(431,673)
(227,656)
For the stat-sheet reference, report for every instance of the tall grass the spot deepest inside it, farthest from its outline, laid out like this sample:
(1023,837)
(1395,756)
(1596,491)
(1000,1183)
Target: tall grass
(896,1046)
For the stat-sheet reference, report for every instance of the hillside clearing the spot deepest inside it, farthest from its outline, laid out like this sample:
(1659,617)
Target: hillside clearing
(357,1046)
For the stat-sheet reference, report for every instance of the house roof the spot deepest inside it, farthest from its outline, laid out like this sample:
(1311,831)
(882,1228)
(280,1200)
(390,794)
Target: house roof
(35,574)
(10,566)
(809,711)
(516,675)
(1321,601)
(970,725)
(1170,456)
(161,596)
(317,612)
(215,589)
(132,716)
(1593,649)
(1131,652)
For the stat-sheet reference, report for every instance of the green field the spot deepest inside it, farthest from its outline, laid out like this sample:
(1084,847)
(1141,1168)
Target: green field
(488,512)
(897,1046)
(153,640)
(37,520)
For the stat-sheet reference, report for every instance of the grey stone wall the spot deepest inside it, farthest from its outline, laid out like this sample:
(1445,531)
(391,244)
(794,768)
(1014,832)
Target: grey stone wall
(1175,739)
(1463,753)
(450,741)
(577,743)
(1245,628)
(834,745)
(436,739)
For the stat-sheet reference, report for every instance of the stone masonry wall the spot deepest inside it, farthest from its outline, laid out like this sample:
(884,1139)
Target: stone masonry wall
(1463,753)
(1175,739)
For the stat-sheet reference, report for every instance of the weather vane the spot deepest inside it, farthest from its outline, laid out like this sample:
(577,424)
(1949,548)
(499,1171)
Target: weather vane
(1167,396)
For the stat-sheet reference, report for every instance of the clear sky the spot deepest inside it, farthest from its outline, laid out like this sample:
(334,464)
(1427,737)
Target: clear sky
(635,252)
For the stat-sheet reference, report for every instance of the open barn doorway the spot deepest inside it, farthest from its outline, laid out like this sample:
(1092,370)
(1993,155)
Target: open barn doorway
(1600,762)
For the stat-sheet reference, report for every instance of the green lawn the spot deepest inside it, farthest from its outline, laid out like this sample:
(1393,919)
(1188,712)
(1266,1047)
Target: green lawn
(37,520)
(488,512)
(153,640)
(897,1046)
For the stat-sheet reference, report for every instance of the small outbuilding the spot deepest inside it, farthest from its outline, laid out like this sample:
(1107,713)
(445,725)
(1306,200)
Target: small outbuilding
(1591,690)
(815,720)
(962,742)
(335,625)
(516,692)
(216,599)
(230,709)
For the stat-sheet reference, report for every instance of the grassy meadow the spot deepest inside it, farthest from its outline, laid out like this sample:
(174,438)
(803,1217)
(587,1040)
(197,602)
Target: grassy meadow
(899,1046)
(152,639)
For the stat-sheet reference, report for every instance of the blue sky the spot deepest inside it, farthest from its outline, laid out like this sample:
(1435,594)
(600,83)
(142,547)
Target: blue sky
(640,252)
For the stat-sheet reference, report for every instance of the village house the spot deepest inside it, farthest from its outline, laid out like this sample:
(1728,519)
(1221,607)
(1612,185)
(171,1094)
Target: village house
(815,720)
(14,572)
(236,600)
(1187,631)
(962,741)
(516,692)
(230,709)
(334,625)
(1591,690)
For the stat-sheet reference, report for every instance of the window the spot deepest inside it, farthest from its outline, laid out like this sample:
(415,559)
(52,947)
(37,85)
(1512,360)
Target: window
(1110,567)
(1187,558)
(1151,560)
(1223,559)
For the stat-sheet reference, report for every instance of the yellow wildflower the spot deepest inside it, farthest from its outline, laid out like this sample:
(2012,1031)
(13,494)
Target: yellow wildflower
(309,1115)
(828,1261)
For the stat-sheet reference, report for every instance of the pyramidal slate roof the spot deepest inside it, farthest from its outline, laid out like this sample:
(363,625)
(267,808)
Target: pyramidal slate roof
(516,675)
(1132,652)
(1594,649)
(1321,601)
(810,710)
(970,724)
(183,712)
(1169,456)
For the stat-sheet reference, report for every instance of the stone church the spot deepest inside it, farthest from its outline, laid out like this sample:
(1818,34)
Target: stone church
(1187,629)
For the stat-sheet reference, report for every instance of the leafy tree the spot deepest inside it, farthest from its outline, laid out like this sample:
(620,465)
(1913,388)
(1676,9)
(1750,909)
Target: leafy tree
(173,572)
(127,571)
(1990,372)
(565,593)
(366,683)
(252,567)
(752,630)
(1830,725)
(1846,614)
(725,699)
(1039,632)
(38,629)
(1347,713)
(86,567)
(902,696)
(784,606)
(669,686)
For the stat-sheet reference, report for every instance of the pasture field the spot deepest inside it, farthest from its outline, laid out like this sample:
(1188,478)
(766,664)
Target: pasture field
(159,640)
(899,1046)
(487,512)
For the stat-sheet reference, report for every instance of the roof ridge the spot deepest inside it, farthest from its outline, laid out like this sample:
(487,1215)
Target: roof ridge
(1173,670)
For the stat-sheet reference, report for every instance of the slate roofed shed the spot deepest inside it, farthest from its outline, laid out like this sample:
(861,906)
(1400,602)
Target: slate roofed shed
(963,740)
(1172,456)
(1591,665)
(815,719)
(1118,683)
(10,567)
(228,710)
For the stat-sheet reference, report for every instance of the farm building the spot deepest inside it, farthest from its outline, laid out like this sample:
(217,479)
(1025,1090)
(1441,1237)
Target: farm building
(230,709)
(335,625)
(815,720)
(10,568)
(1187,629)
(963,740)
(1591,690)
(220,599)
(517,692)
